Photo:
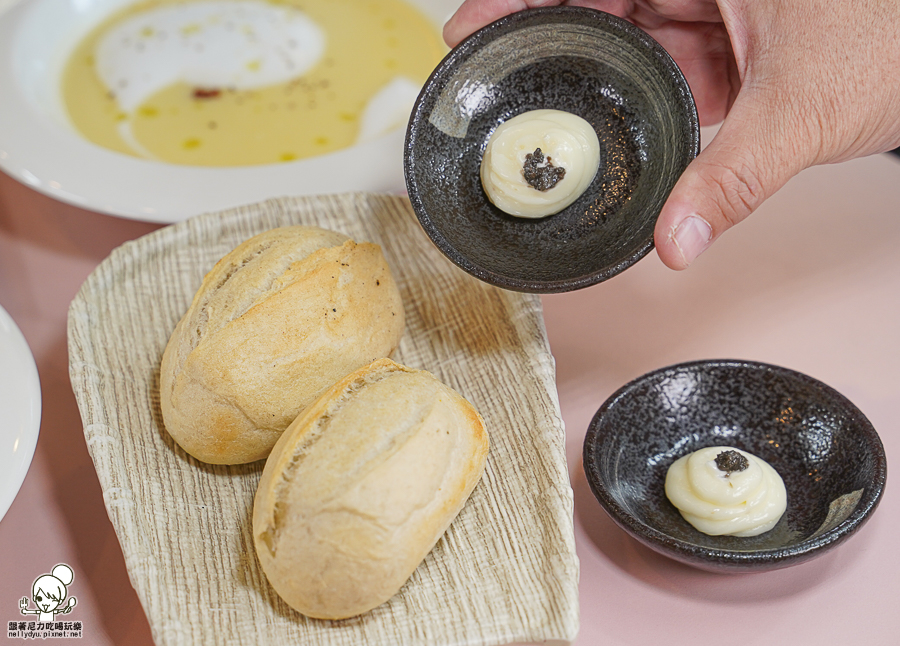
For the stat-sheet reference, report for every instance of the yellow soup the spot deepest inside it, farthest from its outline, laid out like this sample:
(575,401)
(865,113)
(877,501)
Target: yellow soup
(243,82)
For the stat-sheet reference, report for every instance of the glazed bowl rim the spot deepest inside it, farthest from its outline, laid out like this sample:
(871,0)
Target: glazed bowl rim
(445,71)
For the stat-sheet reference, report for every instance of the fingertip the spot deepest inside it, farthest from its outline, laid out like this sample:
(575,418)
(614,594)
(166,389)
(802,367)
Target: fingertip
(468,18)
(472,15)
(449,32)
(681,236)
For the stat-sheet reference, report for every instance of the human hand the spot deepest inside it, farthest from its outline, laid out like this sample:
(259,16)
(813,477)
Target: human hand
(794,84)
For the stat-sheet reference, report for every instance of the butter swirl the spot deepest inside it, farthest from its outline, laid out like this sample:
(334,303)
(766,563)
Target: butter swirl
(717,502)
(567,140)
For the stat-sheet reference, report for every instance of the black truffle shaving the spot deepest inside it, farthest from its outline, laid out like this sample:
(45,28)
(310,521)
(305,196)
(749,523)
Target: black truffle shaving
(541,176)
(731,461)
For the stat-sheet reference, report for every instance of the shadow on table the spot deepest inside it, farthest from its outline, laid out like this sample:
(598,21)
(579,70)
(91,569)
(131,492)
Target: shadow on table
(80,500)
(638,561)
(47,249)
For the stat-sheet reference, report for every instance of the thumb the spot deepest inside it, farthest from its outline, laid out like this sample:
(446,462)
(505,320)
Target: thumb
(749,159)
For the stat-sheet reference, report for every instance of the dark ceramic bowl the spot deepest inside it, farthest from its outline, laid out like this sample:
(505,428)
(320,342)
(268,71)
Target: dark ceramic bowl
(582,61)
(826,451)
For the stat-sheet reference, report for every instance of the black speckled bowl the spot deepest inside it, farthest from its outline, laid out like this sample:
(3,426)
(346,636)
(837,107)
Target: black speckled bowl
(578,60)
(826,451)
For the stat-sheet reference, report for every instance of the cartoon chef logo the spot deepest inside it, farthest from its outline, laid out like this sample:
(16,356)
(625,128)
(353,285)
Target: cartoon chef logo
(49,595)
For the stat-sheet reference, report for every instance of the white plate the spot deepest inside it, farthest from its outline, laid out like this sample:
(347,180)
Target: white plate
(40,148)
(20,409)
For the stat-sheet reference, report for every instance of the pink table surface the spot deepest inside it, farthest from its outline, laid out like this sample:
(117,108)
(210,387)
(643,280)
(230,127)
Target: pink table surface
(810,282)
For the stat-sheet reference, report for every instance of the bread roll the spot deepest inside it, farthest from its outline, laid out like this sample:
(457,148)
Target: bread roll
(275,323)
(362,485)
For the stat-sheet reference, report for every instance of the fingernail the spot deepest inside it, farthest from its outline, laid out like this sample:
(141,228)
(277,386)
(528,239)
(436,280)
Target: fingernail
(692,236)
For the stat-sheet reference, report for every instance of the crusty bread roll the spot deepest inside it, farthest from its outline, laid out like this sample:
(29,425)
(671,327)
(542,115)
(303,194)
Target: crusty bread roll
(276,322)
(362,485)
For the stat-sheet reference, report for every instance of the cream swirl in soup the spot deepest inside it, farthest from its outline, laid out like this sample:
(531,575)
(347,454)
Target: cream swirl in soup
(725,491)
(238,44)
(245,82)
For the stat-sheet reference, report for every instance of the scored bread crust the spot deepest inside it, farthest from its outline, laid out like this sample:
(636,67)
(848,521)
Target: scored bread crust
(362,485)
(276,322)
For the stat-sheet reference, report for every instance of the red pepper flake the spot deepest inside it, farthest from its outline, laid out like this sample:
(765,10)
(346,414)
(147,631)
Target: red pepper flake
(206,93)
